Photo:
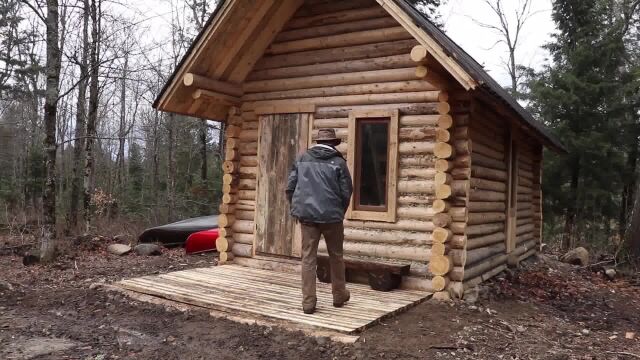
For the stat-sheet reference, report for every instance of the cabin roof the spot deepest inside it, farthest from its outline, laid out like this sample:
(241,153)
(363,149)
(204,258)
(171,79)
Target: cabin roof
(465,69)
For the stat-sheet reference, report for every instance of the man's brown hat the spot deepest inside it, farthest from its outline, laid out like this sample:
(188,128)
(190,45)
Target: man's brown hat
(327,135)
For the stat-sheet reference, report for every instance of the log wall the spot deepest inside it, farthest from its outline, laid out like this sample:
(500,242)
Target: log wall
(487,244)
(343,56)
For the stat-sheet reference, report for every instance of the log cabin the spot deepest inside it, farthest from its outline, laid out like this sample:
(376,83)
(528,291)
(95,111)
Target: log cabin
(446,164)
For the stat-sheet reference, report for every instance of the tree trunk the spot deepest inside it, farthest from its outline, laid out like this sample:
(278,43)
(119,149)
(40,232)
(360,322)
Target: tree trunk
(93,115)
(633,232)
(171,167)
(122,129)
(47,242)
(203,150)
(570,221)
(80,131)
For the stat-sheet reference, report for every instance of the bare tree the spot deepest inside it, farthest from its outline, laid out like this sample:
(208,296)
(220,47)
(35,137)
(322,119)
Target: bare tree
(93,110)
(80,128)
(509,29)
(54,58)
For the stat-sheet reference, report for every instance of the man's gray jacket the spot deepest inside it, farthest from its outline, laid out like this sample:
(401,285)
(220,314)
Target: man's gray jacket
(319,187)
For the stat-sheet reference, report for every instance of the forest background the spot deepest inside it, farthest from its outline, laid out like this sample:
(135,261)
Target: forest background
(83,151)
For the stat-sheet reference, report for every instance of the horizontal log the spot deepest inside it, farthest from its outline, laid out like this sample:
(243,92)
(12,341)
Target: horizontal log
(458,228)
(240,238)
(347,100)
(420,173)
(471,272)
(477,183)
(392,237)
(340,40)
(416,148)
(247,184)
(329,56)
(242,250)
(202,82)
(246,195)
(324,30)
(401,225)
(484,229)
(243,227)
(485,161)
(318,81)
(404,109)
(480,206)
(339,123)
(248,161)
(456,274)
(347,90)
(422,160)
(414,134)
(460,133)
(416,283)
(338,17)
(420,120)
(416,213)
(488,173)
(248,149)
(486,240)
(250,125)
(442,220)
(485,218)
(244,215)
(415,199)
(458,257)
(482,254)
(413,253)
(416,187)
(248,172)
(248,135)
(461,173)
(486,195)
(458,242)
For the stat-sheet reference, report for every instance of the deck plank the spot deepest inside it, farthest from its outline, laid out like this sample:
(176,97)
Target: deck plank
(276,295)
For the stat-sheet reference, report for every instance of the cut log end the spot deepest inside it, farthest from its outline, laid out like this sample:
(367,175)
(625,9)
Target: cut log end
(419,53)
(422,72)
(443,192)
(441,235)
(439,283)
(443,150)
(440,265)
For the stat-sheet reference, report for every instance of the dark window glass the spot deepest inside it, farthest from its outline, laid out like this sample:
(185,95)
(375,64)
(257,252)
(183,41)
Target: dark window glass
(372,157)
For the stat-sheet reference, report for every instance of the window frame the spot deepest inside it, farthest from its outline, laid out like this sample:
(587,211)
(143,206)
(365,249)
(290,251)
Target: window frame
(368,212)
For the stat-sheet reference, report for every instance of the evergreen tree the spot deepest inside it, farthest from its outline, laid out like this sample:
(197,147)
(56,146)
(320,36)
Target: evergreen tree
(583,96)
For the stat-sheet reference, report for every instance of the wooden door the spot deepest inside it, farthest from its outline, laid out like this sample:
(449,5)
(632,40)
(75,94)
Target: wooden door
(283,137)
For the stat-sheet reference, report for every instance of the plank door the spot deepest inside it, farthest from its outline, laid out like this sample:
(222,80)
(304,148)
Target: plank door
(283,137)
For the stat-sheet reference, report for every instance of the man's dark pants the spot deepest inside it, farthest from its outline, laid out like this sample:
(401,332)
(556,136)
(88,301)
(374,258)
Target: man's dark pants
(334,237)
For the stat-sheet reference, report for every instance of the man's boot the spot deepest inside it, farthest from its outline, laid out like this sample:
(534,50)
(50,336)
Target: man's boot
(340,300)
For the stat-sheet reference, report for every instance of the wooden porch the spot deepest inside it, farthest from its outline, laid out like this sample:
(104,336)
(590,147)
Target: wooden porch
(238,290)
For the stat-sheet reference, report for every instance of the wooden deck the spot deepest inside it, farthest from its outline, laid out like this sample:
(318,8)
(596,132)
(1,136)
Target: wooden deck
(235,289)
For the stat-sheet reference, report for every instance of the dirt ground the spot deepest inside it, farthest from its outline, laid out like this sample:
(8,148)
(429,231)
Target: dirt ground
(545,310)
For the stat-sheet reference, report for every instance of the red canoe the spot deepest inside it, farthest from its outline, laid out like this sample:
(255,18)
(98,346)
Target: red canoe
(202,241)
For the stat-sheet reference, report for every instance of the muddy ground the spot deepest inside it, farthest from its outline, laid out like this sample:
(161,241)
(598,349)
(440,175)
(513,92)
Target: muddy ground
(545,310)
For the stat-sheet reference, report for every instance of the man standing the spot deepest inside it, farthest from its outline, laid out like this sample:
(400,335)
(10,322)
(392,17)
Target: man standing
(319,190)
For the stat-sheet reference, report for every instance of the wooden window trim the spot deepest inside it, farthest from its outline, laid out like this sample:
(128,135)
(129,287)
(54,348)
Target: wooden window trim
(374,214)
